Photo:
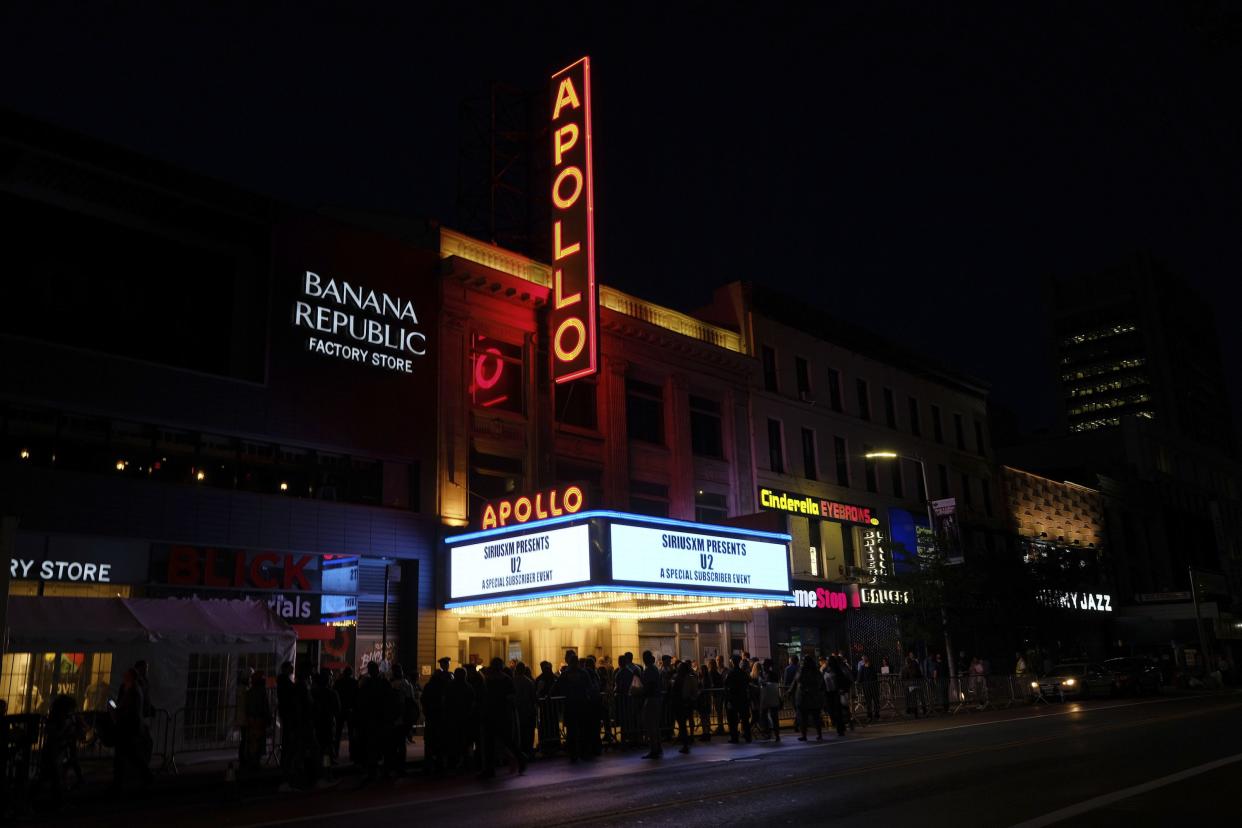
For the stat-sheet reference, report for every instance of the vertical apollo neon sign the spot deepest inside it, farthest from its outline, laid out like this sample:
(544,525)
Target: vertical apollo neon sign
(573,316)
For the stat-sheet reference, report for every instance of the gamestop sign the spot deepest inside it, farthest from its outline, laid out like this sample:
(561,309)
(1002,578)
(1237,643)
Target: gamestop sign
(667,557)
(513,563)
(573,314)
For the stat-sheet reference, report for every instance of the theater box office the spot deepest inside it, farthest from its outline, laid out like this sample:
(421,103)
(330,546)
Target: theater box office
(604,583)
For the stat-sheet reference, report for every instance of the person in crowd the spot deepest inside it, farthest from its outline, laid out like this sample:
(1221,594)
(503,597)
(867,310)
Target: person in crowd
(912,678)
(287,710)
(326,707)
(258,719)
(940,676)
(809,698)
(685,696)
(375,717)
(770,699)
(346,688)
(133,739)
(574,685)
(623,683)
(837,687)
(435,733)
(653,705)
(1019,665)
(549,721)
(499,719)
(758,722)
(978,681)
(59,753)
(527,704)
(716,675)
(885,668)
(593,711)
(475,680)
(867,681)
(704,704)
(459,714)
(737,700)
(410,694)
(304,744)
(143,672)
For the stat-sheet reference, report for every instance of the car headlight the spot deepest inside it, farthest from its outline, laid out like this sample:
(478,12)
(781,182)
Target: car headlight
(1070,682)
(1034,685)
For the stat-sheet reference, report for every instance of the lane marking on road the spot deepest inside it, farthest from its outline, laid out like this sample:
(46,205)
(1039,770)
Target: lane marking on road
(1126,793)
(897,763)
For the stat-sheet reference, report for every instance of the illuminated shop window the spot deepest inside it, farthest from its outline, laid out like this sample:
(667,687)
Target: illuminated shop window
(706,432)
(496,375)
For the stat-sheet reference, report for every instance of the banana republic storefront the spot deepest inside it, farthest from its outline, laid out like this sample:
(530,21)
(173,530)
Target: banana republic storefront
(603,583)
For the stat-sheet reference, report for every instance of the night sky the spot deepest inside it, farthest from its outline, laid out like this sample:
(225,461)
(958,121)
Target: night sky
(915,170)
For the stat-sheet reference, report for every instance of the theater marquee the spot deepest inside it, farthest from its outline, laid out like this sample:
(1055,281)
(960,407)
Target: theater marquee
(573,315)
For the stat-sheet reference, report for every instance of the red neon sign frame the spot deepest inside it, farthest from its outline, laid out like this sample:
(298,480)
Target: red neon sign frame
(574,315)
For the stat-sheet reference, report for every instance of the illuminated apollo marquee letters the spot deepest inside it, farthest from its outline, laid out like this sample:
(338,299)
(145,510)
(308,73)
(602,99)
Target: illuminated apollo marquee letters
(573,314)
(538,506)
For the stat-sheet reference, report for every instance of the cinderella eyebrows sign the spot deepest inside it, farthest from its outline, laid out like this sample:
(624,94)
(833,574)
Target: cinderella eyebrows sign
(573,316)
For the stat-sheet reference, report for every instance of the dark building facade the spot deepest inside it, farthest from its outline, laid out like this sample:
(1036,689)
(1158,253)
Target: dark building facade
(205,393)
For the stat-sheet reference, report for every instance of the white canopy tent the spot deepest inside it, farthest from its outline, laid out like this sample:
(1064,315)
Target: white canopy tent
(195,649)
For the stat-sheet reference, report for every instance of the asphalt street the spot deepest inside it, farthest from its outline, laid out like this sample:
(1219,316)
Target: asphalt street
(1146,761)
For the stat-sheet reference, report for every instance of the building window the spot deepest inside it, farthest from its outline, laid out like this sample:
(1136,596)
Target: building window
(644,411)
(575,403)
(769,368)
(496,380)
(915,428)
(706,434)
(899,489)
(809,464)
(959,431)
(872,472)
(776,447)
(649,498)
(804,378)
(937,425)
(710,507)
(890,408)
(834,389)
(492,477)
(919,482)
(864,399)
(966,493)
(979,445)
(843,461)
(943,474)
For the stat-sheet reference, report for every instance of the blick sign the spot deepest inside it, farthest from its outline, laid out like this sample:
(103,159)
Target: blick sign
(573,315)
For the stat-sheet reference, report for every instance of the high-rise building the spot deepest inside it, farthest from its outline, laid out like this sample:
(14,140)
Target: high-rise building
(1134,340)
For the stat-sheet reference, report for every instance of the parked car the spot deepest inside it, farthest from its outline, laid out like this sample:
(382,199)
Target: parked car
(1074,680)
(1135,674)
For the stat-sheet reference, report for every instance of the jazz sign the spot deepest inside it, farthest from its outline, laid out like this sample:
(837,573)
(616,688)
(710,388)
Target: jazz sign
(573,316)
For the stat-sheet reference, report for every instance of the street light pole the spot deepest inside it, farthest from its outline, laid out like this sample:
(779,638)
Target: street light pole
(931,526)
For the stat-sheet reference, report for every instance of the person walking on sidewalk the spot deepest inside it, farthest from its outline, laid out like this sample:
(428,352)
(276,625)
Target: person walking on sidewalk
(347,692)
(653,705)
(770,699)
(499,719)
(837,686)
(809,698)
(912,678)
(869,684)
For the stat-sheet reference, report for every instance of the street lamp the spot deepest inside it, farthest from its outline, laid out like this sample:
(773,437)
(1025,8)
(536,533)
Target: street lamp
(931,526)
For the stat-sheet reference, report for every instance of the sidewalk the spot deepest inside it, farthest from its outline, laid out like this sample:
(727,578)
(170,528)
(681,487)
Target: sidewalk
(203,775)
